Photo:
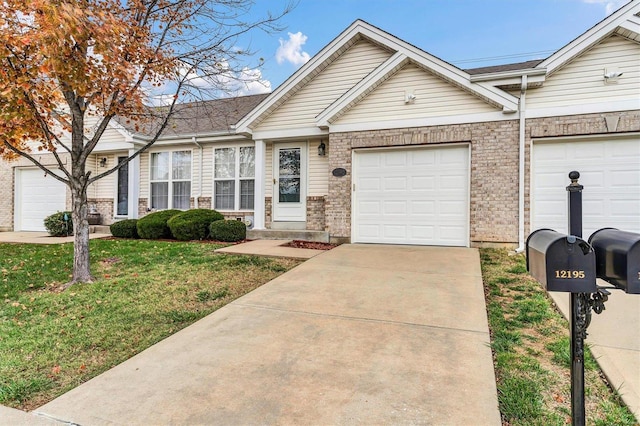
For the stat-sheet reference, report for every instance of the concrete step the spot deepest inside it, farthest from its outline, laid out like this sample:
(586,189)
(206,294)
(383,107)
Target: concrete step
(282,234)
(99,229)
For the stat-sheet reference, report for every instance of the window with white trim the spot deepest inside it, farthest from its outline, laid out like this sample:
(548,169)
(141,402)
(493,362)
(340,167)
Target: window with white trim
(170,180)
(234,178)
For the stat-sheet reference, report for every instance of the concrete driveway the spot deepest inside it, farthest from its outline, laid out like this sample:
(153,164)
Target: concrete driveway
(362,334)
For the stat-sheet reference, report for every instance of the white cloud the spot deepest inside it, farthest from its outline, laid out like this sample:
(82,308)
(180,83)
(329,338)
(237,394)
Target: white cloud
(291,50)
(610,5)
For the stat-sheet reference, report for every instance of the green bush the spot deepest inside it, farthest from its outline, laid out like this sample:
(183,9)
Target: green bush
(57,226)
(125,228)
(228,230)
(193,224)
(154,226)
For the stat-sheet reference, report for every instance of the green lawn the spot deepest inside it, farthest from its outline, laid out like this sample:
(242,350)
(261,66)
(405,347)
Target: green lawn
(530,343)
(52,341)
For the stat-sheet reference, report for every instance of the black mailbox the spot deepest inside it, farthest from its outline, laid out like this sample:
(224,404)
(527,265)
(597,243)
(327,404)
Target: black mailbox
(618,258)
(561,262)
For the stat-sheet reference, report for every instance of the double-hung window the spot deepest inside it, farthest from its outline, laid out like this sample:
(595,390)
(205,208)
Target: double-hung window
(171,180)
(234,178)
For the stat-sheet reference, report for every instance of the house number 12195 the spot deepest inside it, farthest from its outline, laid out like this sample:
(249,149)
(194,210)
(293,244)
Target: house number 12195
(568,274)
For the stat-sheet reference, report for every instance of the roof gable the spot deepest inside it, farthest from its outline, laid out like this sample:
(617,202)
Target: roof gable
(403,52)
(625,22)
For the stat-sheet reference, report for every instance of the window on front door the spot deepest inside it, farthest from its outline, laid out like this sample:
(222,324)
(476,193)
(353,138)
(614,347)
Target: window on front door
(123,188)
(234,178)
(171,180)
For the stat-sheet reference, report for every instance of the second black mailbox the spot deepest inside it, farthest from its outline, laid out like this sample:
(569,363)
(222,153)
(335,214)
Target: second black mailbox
(618,258)
(561,262)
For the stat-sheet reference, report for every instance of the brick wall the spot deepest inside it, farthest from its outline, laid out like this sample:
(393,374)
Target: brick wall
(494,174)
(316,213)
(6,196)
(267,212)
(573,125)
(104,207)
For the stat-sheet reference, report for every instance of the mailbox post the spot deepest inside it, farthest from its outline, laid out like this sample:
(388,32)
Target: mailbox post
(578,309)
(570,264)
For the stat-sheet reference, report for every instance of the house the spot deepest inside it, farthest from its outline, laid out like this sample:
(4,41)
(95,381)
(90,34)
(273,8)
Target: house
(376,141)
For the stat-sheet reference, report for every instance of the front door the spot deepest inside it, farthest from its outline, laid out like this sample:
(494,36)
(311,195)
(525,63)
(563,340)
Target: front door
(289,183)
(122,205)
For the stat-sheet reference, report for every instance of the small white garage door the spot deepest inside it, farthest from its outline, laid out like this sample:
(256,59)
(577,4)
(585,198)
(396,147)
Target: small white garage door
(610,173)
(412,196)
(37,197)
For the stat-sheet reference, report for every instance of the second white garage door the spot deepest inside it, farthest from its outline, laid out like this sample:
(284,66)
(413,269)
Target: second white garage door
(412,196)
(609,171)
(37,196)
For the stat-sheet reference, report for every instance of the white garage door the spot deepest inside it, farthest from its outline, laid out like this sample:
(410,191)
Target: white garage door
(37,197)
(610,173)
(412,196)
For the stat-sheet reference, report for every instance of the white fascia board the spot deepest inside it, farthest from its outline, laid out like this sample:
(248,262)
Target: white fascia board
(615,106)
(305,72)
(445,70)
(591,37)
(307,132)
(374,79)
(510,75)
(422,122)
(632,24)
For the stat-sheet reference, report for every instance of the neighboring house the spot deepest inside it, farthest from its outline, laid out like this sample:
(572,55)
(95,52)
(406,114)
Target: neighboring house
(415,150)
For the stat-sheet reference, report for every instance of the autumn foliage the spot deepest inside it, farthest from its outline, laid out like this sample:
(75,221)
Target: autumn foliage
(62,61)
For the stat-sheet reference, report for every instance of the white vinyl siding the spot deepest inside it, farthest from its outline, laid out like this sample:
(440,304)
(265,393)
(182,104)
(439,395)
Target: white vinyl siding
(104,187)
(434,98)
(582,81)
(609,171)
(318,170)
(342,74)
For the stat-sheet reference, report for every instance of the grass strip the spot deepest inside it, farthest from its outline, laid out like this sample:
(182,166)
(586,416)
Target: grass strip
(531,349)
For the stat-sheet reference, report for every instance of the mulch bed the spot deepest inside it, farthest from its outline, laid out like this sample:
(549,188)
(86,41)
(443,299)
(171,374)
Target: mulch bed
(310,245)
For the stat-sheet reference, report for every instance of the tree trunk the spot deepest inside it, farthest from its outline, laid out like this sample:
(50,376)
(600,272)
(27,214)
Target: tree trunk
(81,263)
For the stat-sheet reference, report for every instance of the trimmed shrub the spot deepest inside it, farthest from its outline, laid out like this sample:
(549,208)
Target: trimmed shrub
(154,226)
(228,230)
(193,224)
(57,226)
(127,228)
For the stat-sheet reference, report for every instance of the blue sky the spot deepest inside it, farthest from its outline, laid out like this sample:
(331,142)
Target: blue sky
(457,31)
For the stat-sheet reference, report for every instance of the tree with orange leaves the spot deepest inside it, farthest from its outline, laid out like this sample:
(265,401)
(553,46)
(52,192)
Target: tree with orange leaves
(62,61)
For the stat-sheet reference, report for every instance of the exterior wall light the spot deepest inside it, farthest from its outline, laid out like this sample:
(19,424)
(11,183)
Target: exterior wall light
(103,162)
(322,149)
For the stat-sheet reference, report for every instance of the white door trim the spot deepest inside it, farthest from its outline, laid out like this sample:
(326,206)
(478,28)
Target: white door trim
(290,211)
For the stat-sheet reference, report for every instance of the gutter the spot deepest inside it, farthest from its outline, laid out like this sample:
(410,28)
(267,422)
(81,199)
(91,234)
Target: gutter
(195,141)
(521,166)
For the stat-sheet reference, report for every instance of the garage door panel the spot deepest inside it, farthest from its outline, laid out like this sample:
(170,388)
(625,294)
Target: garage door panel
(422,191)
(395,184)
(610,173)
(37,196)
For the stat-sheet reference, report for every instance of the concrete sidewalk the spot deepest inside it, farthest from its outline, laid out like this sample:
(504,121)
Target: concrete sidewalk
(614,340)
(356,335)
(32,237)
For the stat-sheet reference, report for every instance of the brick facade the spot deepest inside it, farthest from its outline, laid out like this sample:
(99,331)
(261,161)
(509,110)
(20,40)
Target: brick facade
(315,213)
(104,207)
(494,174)
(7,197)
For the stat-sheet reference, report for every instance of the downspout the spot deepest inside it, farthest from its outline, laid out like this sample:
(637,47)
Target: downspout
(521,166)
(195,141)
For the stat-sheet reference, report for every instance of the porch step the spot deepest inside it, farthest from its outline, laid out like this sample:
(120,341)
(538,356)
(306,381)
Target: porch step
(281,234)
(99,229)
